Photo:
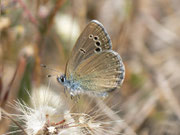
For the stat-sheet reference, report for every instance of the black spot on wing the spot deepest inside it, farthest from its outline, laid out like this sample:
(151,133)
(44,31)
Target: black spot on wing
(112,89)
(98,43)
(105,32)
(82,50)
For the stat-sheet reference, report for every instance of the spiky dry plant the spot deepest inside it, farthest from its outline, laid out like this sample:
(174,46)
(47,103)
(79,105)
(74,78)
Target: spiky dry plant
(169,125)
(49,114)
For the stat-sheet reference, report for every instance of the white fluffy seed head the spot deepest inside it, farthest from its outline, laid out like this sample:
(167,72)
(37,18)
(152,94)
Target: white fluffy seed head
(47,107)
(49,115)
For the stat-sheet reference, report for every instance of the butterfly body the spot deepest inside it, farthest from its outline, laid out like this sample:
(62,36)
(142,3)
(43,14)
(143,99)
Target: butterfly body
(75,87)
(93,67)
(72,86)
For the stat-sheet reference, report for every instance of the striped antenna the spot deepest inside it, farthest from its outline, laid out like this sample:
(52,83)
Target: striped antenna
(44,66)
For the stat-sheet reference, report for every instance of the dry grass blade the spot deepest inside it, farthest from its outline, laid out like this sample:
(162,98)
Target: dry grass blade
(122,126)
(12,119)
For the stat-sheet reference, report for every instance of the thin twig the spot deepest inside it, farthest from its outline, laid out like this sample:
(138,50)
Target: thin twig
(113,116)
(8,116)
(31,18)
(143,111)
(162,85)
(9,87)
(58,5)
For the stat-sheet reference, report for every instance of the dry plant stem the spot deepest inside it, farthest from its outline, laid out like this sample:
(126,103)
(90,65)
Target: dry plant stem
(145,111)
(0,7)
(49,22)
(60,48)
(139,106)
(41,39)
(13,92)
(9,87)
(9,117)
(47,26)
(31,18)
(162,84)
(150,61)
(122,36)
(121,125)
(168,94)
(160,31)
(58,5)
(1,86)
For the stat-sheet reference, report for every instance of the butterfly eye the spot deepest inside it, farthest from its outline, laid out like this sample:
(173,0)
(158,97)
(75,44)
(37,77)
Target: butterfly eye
(62,78)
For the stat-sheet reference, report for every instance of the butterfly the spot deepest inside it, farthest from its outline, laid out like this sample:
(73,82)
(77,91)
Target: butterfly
(93,67)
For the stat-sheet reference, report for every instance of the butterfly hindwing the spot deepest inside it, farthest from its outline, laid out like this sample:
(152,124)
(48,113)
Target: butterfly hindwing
(101,72)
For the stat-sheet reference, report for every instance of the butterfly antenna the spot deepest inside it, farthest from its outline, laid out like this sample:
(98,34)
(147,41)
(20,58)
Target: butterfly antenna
(49,76)
(44,66)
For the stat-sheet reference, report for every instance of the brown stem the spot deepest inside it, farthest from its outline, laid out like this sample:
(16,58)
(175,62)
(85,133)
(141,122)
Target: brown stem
(9,117)
(19,69)
(31,18)
(58,5)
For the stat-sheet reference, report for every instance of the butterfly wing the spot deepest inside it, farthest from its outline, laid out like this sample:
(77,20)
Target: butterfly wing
(93,37)
(101,72)
(93,64)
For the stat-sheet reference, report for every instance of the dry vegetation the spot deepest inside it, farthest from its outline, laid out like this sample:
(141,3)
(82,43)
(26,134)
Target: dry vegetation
(146,33)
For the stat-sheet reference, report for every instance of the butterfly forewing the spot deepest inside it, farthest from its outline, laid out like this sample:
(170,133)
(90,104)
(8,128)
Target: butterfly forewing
(101,72)
(94,37)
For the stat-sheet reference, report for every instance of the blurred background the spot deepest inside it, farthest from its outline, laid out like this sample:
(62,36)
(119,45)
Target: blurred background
(145,33)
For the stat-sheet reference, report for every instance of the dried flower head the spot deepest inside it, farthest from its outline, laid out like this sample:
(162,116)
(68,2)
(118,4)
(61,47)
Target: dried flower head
(49,116)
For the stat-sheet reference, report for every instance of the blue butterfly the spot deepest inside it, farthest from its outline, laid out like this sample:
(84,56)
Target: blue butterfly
(93,67)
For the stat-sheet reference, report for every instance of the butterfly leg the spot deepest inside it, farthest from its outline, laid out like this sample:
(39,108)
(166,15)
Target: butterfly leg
(78,96)
(103,94)
(75,98)
(65,90)
(71,94)
(72,97)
